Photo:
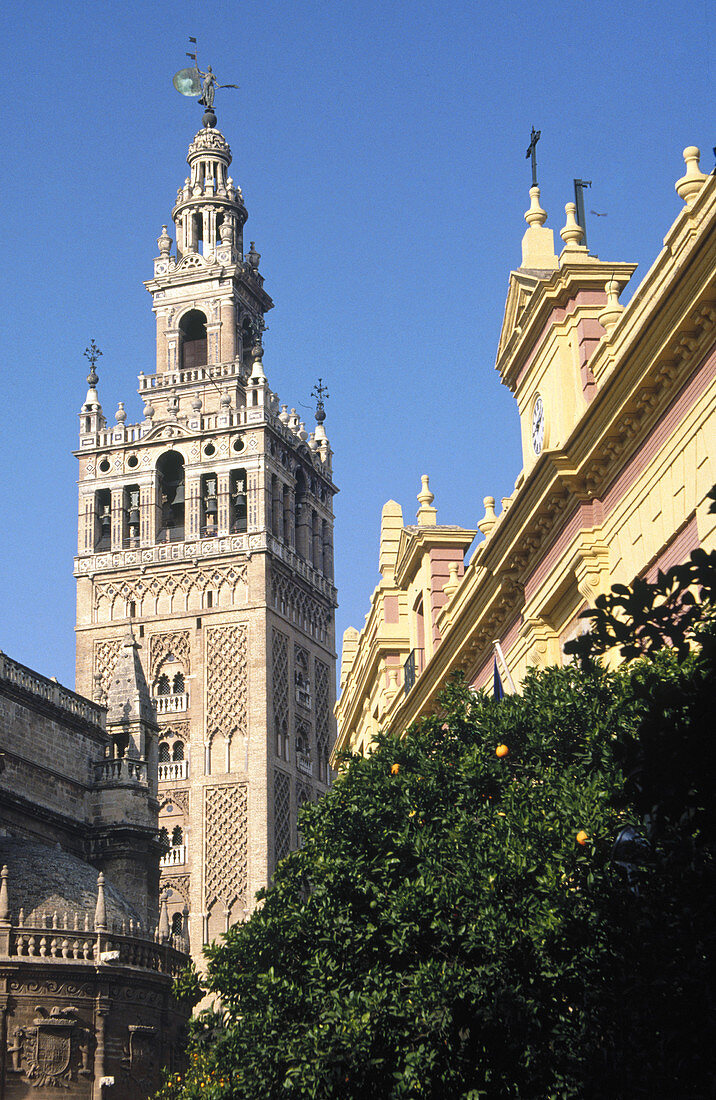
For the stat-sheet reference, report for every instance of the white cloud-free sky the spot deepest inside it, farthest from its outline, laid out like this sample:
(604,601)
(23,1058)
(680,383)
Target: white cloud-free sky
(381,148)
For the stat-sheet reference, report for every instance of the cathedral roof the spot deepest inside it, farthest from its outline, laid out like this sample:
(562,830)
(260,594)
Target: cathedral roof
(44,880)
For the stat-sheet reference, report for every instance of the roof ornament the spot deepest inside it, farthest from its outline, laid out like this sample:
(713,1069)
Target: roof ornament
(92,353)
(532,152)
(320,392)
(202,85)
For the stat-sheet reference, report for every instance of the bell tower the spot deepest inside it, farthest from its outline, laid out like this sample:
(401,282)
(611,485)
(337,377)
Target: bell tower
(207,528)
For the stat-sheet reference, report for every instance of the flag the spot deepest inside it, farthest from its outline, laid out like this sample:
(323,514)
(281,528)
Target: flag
(498,690)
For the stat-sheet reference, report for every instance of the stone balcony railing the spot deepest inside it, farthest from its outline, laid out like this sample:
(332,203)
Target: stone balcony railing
(171,704)
(50,691)
(174,857)
(304,763)
(92,947)
(175,769)
(121,770)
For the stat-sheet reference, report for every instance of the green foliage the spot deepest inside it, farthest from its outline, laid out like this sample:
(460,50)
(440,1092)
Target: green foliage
(648,616)
(187,987)
(444,931)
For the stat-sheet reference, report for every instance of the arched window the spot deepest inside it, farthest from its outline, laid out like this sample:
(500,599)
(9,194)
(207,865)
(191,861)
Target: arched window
(177,924)
(163,753)
(103,519)
(178,750)
(247,342)
(177,836)
(237,481)
(170,488)
(192,333)
(164,839)
(178,684)
(163,687)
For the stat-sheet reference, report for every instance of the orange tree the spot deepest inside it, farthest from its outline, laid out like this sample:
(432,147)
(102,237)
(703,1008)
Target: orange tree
(458,921)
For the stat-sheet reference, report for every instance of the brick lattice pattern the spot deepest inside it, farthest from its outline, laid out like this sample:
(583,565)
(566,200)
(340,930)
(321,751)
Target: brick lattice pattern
(226,680)
(282,814)
(105,658)
(225,844)
(175,644)
(279,652)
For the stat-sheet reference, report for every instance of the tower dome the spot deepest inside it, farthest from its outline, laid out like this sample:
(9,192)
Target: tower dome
(210,209)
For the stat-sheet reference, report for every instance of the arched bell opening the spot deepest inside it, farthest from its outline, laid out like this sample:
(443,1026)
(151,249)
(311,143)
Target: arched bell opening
(192,336)
(170,494)
(247,343)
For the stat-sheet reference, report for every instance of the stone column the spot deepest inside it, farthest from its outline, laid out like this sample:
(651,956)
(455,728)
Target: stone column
(117,518)
(193,505)
(228,331)
(224,505)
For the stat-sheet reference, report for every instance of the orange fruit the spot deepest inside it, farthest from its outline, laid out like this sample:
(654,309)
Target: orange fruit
(582,837)
(395,769)
(501,750)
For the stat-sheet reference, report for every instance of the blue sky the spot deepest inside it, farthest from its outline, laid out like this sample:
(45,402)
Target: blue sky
(380,147)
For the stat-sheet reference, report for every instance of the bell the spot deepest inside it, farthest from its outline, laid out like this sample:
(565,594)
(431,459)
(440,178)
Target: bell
(179,494)
(211,506)
(133,517)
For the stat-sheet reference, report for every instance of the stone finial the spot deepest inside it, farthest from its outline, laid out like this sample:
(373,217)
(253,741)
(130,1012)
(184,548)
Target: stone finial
(163,928)
(4,902)
(688,187)
(283,415)
(196,405)
(613,309)
(391,524)
(426,515)
(149,412)
(302,433)
(225,401)
(572,232)
(120,416)
(164,242)
(535,216)
(489,519)
(452,583)
(538,242)
(100,912)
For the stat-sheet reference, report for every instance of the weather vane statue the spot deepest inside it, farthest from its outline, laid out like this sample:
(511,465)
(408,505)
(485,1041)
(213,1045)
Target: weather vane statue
(195,83)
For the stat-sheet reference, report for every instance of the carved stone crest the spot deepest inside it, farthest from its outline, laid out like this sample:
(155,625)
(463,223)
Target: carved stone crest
(140,1054)
(49,1048)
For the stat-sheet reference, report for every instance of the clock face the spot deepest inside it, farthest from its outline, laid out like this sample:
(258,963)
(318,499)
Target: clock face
(538,425)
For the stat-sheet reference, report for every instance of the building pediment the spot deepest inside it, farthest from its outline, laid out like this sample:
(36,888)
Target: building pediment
(170,430)
(521,287)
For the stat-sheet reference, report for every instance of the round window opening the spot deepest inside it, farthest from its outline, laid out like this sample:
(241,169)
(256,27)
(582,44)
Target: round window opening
(210,449)
(104,466)
(132,461)
(237,445)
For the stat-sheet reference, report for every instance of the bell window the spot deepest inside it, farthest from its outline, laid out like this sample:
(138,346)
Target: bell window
(170,472)
(238,501)
(192,334)
(131,516)
(209,504)
(103,520)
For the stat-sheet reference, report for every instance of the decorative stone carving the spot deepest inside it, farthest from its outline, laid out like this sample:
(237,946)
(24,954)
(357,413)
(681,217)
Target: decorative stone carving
(302,677)
(225,845)
(141,1054)
(53,1051)
(298,606)
(226,681)
(323,716)
(282,814)
(146,593)
(279,651)
(105,658)
(162,647)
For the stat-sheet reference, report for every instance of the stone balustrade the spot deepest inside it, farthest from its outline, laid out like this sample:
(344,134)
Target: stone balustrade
(171,704)
(121,770)
(174,857)
(44,688)
(175,769)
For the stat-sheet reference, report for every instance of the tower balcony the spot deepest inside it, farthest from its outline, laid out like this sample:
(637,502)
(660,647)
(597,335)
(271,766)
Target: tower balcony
(120,770)
(174,857)
(174,770)
(171,704)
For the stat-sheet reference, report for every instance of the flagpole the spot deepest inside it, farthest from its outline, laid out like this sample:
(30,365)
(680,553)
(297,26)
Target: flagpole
(498,650)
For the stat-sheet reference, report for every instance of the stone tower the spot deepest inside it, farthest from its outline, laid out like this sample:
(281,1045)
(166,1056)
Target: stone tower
(208,528)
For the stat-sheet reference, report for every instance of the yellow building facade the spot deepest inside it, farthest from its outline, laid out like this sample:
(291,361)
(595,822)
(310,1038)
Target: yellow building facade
(617,412)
